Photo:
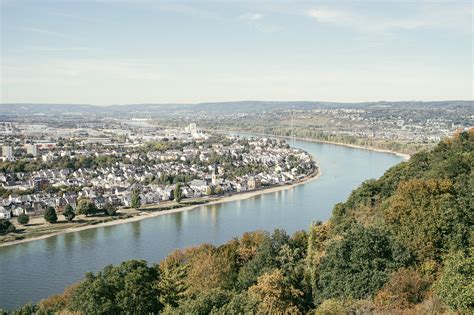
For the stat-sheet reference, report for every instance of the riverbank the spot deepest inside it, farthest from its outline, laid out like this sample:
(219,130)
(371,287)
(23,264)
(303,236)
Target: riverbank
(405,156)
(148,212)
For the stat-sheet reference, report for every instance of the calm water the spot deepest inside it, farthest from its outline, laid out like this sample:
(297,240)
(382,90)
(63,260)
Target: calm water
(34,270)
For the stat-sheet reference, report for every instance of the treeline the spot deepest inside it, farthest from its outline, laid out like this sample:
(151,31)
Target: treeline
(391,145)
(400,244)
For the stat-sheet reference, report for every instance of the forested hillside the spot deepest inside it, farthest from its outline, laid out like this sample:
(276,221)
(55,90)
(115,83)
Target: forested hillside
(400,244)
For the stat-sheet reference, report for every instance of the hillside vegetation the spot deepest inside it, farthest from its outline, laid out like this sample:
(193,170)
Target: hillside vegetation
(400,244)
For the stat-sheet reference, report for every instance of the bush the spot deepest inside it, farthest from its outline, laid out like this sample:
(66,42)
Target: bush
(23,219)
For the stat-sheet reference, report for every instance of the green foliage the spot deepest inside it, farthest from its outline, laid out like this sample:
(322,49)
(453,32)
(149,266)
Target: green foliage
(205,302)
(177,193)
(69,213)
(126,288)
(173,284)
(6,227)
(399,244)
(50,215)
(23,219)
(424,215)
(331,307)
(240,303)
(357,265)
(26,309)
(455,287)
(109,209)
(86,207)
(136,199)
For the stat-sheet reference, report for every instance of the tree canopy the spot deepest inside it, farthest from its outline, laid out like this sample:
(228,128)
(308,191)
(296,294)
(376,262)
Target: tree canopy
(400,244)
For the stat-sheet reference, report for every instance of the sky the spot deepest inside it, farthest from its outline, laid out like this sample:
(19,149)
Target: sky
(130,52)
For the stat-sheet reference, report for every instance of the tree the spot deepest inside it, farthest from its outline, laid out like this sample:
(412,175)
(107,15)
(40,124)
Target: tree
(275,294)
(23,219)
(6,227)
(423,214)
(126,288)
(136,199)
(178,193)
(455,286)
(50,215)
(56,303)
(69,213)
(404,289)
(204,302)
(172,284)
(358,265)
(110,209)
(86,207)
(218,190)
(207,270)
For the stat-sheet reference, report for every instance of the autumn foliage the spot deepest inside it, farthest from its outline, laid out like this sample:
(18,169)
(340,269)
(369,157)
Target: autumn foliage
(401,244)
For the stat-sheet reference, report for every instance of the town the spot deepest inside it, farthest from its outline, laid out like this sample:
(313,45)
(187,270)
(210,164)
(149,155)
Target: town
(108,167)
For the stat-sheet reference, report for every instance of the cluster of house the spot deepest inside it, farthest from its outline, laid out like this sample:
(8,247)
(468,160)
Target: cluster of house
(115,183)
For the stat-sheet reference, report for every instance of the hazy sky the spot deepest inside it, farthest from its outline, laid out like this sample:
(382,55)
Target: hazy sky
(117,52)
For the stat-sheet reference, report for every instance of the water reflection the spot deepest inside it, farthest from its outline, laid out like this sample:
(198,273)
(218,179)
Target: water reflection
(178,221)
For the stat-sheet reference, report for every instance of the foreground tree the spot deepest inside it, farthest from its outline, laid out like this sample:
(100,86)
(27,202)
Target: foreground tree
(172,284)
(358,265)
(126,288)
(455,287)
(275,294)
(50,215)
(23,219)
(69,213)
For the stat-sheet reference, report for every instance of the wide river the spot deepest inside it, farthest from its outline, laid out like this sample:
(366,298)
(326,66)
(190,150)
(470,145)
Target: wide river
(34,270)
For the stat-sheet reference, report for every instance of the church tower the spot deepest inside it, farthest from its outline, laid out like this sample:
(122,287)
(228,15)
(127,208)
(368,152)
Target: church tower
(214,177)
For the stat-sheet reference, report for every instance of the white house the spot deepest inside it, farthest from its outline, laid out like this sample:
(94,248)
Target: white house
(5,213)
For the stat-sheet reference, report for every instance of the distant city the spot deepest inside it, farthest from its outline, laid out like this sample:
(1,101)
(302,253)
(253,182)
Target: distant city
(45,166)
(404,127)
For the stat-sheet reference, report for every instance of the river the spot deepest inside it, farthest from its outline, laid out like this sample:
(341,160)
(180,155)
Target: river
(33,270)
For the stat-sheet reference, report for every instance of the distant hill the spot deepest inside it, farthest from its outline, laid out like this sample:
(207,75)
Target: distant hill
(215,108)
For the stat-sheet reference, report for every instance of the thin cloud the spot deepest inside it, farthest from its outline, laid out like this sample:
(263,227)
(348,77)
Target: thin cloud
(55,49)
(431,16)
(43,32)
(251,17)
